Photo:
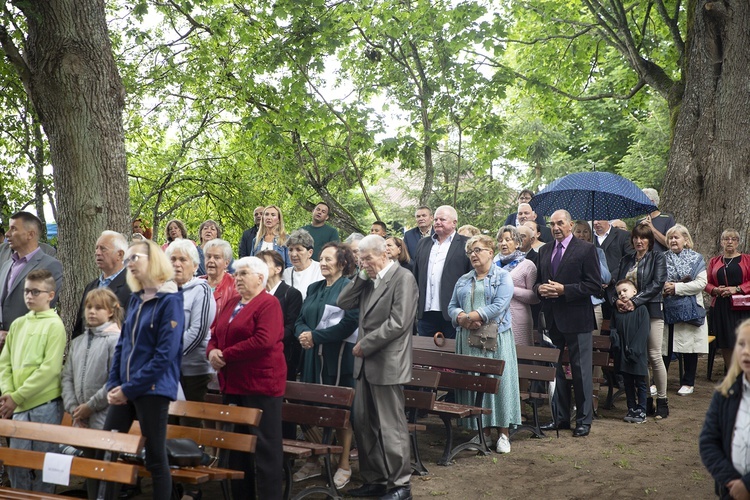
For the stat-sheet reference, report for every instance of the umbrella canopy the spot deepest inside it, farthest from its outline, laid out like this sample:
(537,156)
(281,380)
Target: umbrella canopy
(593,196)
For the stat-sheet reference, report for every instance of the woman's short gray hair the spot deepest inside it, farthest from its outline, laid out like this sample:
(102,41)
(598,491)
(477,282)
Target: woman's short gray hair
(222,245)
(514,234)
(372,243)
(354,237)
(302,238)
(185,246)
(254,265)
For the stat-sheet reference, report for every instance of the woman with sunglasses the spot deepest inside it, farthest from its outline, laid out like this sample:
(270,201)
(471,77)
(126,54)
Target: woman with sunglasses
(145,369)
(728,274)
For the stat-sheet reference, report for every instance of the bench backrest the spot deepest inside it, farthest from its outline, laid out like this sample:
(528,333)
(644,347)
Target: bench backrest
(601,342)
(428,344)
(476,364)
(216,412)
(328,395)
(304,414)
(536,372)
(427,379)
(223,440)
(420,400)
(537,354)
(82,467)
(117,442)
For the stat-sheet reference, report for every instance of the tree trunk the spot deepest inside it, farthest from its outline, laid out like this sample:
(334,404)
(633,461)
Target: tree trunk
(707,184)
(70,74)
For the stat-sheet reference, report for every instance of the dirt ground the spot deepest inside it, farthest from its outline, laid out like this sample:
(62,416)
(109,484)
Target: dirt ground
(656,459)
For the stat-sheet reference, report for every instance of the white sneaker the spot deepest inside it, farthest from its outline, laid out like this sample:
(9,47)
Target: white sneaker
(685,390)
(653,390)
(503,444)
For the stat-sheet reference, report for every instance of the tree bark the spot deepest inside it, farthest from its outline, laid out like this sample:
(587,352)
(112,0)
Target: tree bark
(707,182)
(70,75)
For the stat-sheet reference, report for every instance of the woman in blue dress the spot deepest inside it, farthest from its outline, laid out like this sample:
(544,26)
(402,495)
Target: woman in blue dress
(480,297)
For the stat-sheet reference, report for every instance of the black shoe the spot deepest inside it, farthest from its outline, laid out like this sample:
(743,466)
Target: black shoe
(581,431)
(552,427)
(367,490)
(400,493)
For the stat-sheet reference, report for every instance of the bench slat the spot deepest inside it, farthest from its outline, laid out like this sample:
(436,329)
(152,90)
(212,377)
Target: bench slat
(484,366)
(82,467)
(216,412)
(303,414)
(319,393)
(428,344)
(73,436)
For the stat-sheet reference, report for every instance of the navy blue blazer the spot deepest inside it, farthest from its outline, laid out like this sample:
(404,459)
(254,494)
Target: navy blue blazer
(579,273)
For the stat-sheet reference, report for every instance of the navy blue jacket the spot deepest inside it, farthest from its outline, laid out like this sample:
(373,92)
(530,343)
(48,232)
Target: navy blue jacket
(716,438)
(149,352)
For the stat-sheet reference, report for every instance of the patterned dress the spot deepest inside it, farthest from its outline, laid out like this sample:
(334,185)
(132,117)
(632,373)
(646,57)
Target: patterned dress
(506,404)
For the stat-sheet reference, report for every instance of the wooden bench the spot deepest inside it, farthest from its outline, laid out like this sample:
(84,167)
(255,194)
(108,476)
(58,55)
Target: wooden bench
(223,440)
(535,365)
(473,377)
(102,470)
(428,344)
(315,405)
(421,399)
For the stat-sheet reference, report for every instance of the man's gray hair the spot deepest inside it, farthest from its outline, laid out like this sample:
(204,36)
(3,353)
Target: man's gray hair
(372,243)
(565,213)
(354,237)
(118,240)
(222,245)
(254,265)
(449,209)
(185,246)
(652,194)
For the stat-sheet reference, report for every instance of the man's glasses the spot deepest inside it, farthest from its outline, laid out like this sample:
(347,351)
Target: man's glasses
(34,292)
(730,238)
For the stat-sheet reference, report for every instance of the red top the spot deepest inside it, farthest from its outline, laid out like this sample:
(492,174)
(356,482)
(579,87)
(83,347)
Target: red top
(716,263)
(223,292)
(252,347)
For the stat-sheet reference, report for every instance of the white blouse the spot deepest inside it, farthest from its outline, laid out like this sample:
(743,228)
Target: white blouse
(741,437)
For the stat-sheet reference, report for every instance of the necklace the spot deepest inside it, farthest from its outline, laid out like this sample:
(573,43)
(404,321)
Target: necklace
(727,264)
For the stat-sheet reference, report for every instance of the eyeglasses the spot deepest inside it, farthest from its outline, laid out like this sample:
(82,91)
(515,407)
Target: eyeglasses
(730,238)
(476,251)
(34,291)
(134,258)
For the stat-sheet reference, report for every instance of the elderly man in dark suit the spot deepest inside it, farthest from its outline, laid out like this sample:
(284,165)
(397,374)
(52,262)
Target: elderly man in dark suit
(109,253)
(386,295)
(439,262)
(568,276)
(23,239)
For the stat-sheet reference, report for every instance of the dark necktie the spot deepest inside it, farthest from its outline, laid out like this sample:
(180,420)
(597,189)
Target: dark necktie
(556,258)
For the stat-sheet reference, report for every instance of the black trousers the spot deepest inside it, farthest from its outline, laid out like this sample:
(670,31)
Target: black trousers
(152,413)
(265,467)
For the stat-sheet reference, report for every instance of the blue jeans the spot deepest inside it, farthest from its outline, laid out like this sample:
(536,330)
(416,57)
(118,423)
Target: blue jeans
(28,479)
(635,386)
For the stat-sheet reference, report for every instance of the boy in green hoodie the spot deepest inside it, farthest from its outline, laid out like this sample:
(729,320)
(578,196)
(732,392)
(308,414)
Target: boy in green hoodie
(30,368)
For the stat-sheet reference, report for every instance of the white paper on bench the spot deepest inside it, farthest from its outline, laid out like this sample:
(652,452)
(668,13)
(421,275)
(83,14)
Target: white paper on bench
(57,468)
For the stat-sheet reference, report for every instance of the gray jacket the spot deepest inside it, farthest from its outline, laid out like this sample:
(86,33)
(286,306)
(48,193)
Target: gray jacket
(200,310)
(84,376)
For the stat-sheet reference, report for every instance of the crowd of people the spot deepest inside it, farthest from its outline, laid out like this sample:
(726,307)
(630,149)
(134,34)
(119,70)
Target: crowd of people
(169,321)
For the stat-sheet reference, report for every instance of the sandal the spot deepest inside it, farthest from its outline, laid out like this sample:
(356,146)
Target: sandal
(307,471)
(341,478)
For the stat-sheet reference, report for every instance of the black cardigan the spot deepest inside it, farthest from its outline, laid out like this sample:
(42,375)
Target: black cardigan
(716,438)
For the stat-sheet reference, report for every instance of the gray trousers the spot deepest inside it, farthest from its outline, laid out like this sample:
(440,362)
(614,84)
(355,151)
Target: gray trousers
(28,479)
(382,434)
(580,348)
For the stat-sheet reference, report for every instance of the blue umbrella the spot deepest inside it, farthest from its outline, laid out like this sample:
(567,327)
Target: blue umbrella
(593,196)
